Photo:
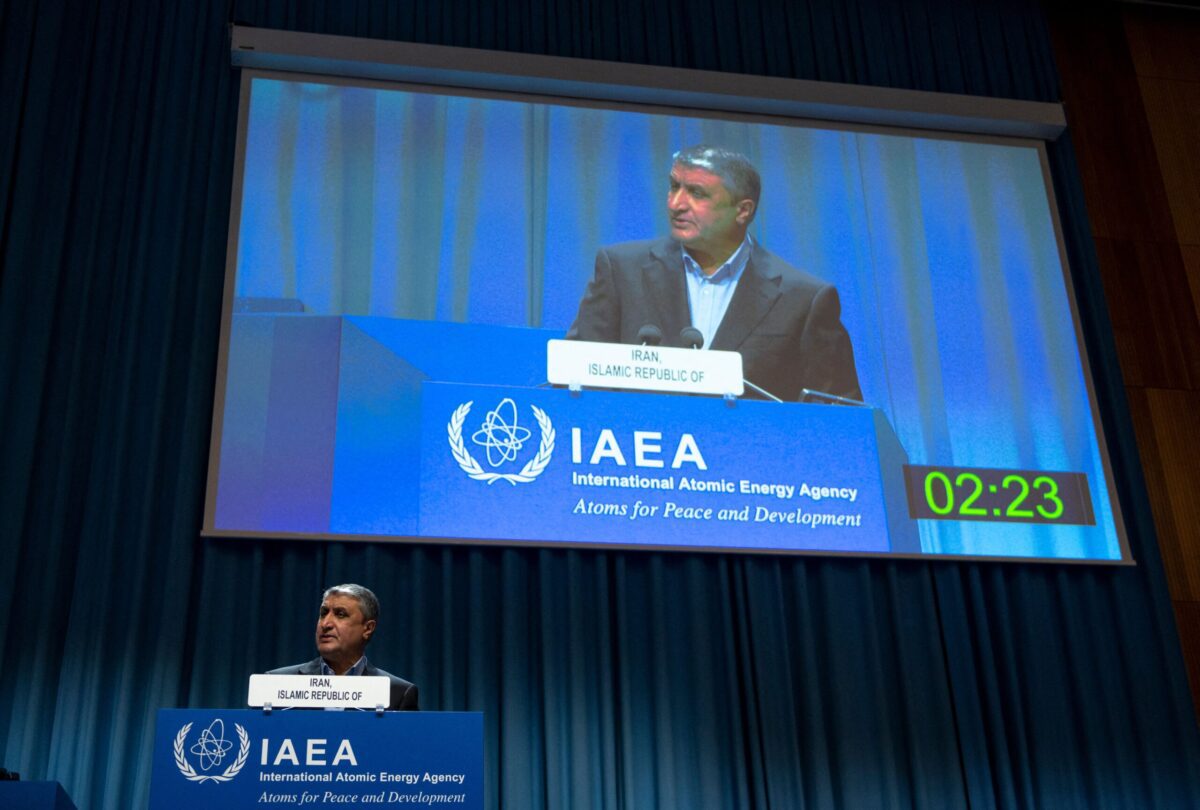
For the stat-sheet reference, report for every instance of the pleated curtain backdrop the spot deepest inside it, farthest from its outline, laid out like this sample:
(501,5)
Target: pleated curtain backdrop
(607,679)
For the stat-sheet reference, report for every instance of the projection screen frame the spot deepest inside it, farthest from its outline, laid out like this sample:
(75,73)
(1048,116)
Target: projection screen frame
(596,80)
(267,53)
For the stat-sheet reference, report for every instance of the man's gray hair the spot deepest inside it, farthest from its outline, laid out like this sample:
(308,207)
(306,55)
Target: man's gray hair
(366,599)
(735,170)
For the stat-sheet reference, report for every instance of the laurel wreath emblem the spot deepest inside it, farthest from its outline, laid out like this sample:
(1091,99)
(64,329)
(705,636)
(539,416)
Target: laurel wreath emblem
(471,467)
(189,772)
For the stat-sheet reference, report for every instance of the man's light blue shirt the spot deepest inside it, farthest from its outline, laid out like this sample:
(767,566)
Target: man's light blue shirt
(709,296)
(359,666)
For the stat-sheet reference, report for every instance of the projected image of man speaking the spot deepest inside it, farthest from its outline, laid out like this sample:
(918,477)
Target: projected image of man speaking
(711,275)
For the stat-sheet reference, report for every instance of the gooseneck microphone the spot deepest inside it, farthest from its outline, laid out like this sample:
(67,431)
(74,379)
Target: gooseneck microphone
(812,395)
(649,335)
(691,336)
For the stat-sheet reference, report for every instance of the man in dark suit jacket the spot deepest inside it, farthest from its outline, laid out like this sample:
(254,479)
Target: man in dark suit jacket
(784,322)
(345,623)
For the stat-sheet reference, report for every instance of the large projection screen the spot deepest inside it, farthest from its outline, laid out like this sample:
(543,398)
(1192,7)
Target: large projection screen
(401,253)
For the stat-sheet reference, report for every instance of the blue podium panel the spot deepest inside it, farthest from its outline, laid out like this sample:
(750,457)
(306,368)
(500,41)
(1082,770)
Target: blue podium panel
(233,759)
(34,796)
(610,467)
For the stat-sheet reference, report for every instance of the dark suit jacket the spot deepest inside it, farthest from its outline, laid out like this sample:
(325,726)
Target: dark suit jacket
(404,694)
(784,322)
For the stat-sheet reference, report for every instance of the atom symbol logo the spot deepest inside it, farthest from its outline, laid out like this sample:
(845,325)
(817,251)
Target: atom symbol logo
(212,746)
(503,438)
(500,434)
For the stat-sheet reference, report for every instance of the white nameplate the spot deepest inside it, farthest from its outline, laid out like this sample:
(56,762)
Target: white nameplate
(319,691)
(643,368)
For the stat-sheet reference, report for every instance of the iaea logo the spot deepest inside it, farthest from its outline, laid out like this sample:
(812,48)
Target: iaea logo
(210,749)
(503,439)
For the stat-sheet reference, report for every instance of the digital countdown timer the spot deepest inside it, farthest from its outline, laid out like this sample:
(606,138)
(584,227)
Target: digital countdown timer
(987,494)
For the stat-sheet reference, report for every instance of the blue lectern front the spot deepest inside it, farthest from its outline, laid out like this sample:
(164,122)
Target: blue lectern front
(651,470)
(384,427)
(205,758)
(34,796)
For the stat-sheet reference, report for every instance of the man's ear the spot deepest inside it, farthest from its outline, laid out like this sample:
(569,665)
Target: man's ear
(368,629)
(745,212)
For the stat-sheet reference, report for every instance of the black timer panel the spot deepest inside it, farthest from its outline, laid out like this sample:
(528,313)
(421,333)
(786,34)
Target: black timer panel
(1007,496)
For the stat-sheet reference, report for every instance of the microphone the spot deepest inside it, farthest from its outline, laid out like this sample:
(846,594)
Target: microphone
(691,336)
(649,335)
(814,396)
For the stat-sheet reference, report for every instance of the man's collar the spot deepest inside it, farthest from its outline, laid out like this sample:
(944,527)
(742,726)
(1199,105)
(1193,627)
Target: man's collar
(359,667)
(732,267)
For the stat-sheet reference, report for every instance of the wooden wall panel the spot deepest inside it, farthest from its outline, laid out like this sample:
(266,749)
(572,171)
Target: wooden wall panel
(1173,110)
(1151,307)
(1115,148)
(1191,267)
(1164,42)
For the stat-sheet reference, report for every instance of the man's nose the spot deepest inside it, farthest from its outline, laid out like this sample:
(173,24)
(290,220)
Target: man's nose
(676,200)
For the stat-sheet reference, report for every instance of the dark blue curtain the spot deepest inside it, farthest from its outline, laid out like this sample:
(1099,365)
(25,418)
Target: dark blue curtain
(607,679)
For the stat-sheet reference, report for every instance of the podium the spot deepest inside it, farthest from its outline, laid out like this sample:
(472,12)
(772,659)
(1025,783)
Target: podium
(358,426)
(233,759)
